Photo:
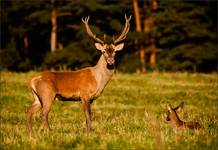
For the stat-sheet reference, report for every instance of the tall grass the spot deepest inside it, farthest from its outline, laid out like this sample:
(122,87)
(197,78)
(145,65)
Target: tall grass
(130,114)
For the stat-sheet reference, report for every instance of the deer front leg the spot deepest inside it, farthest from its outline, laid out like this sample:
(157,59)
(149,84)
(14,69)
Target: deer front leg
(87,111)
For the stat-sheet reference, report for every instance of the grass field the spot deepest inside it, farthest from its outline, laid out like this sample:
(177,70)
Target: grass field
(130,114)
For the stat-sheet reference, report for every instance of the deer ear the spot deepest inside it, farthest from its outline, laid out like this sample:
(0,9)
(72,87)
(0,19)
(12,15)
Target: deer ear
(119,47)
(180,107)
(99,46)
(169,108)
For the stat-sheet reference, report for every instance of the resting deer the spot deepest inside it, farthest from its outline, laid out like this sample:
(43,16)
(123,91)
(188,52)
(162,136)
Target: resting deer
(84,85)
(174,120)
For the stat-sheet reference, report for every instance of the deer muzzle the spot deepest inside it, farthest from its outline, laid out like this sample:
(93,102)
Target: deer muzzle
(110,61)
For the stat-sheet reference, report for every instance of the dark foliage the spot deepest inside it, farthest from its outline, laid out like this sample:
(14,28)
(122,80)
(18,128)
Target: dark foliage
(185,32)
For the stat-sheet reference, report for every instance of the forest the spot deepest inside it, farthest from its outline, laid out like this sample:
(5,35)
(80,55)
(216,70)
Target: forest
(165,35)
(169,57)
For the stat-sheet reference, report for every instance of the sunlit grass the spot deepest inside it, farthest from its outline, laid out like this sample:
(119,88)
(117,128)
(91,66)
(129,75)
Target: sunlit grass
(130,114)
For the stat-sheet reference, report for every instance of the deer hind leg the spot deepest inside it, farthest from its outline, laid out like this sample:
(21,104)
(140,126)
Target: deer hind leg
(47,98)
(36,105)
(45,111)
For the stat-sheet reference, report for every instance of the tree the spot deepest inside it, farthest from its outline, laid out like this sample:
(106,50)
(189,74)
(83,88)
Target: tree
(145,44)
(14,32)
(183,31)
(54,26)
(139,29)
(187,36)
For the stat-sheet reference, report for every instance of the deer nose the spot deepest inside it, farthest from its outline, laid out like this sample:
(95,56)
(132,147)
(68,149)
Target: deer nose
(110,61)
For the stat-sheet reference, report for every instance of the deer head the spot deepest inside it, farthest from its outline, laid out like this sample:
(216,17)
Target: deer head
(172,112)
(108,50)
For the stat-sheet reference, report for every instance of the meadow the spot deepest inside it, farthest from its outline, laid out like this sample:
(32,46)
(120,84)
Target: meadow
(130,114)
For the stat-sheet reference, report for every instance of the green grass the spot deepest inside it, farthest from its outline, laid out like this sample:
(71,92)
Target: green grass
(130,114)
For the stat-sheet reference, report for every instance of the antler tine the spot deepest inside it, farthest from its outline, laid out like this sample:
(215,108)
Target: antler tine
(125,30)
(85,19)
(128,19)
(88,30)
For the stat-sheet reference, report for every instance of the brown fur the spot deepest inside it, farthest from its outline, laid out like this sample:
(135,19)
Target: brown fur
(84,85)
(175,121)
(74,85)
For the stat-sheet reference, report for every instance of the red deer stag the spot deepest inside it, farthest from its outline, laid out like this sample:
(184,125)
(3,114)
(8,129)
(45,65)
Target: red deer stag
(84,85)
(174,120)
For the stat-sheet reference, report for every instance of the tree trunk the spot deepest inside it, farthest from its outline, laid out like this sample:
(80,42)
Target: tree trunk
(153,57)
(26,45)
(142,59)
(137,16)
(60,45)
(149,24)
(54,26)
(25,41)
(139,29)
(154,4)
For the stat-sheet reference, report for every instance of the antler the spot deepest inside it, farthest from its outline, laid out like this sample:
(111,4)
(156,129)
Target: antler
(88,30)
(125,30)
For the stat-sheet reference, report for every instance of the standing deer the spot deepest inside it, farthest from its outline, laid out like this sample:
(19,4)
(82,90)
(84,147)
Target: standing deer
(174,120)
(84,85)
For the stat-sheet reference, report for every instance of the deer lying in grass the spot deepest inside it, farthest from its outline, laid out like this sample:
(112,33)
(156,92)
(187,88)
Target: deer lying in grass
(174,120)
(85,84)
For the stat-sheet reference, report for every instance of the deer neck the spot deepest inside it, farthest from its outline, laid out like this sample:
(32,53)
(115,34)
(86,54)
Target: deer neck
(176,122)
(103,73)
